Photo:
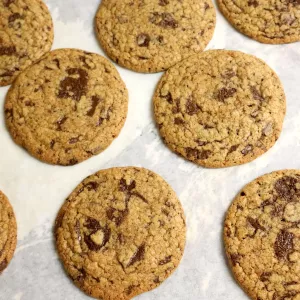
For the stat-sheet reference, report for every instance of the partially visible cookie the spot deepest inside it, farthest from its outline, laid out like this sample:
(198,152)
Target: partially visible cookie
(267,21)
(121,233)
(262,236)
(153,35)
(220,108)
(26,34)
(8,232)
(67,107)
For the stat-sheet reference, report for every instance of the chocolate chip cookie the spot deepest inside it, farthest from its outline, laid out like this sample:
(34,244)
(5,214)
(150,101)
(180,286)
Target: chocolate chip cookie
(8,232)
(26,34)
(120,233)
(67,107)
(220,108)
(262,236)
(153,35)
(267,21)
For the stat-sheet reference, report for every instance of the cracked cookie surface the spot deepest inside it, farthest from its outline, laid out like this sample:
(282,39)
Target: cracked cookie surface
(8,232)
(267,21)
(262,236)
(68,107)
(120,233)
(220,108)
(26,34)
(152,35)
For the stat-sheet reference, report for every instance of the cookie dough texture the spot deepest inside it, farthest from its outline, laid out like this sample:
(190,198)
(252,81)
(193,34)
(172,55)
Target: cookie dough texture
(220,108)
(26,34)
(267,21)
(121,233)
(8,232)
(153,35)
(67,107)
(262,237)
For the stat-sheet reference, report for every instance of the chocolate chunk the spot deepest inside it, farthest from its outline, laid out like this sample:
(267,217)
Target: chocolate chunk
(95,101)
(196,154)
(225,93)
(232,149)
(163,2)
(137,256)
(165,260)
(73,140)
(117,216)
(14,17)
(60,122)
(253,3)
(164,20)
(168,97)
(92,185)
(3,265)
(265,276)
(136,194)
(255,224)
(201,143)
(9,51)
(74,87)
(191,107)
(235,258)
(92,224)
(256,95)
(178,121)
(160,38)
(284,244)
(143,40)
(176,108)
(73,162)
(286,188)
(125,187)
(85,64)
(57,62)
(247,149)
(7,3)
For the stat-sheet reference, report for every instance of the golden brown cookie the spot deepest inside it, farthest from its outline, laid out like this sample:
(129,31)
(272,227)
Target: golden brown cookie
(267,21)
(8,232)
(220,108)
(68,107)
(121,233)
(26,34)
(153,35)
(262,236)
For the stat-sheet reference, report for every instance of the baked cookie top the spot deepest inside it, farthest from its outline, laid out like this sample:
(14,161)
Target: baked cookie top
(262,236)
(26,34)
(267,21)
(220,108)
(121,233)
(153,35)
(67,107)
(8,232)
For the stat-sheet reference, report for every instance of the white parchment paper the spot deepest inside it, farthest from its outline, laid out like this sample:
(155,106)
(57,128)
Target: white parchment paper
(37,190)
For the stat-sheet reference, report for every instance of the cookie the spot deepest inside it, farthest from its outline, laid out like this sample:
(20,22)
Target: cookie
(262,236)
(26,34)
(121,233)
(153,35)
(67,107)
(267,21)
(220,108)
(8,232)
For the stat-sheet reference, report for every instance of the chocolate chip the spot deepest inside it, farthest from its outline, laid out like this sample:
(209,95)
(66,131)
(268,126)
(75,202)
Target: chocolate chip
(196,154)
(163,2)
(235,258)
(125,187)
(256,94)
(92,224)
(176,108)
(255,224)
(60,122)
(286,188)
(29,103)
(57,62)
(225,93)
(14,17)
(265,276)
(284,244)
(178,121)
(117,216)
(165,260)
(253,3)
(95,101)
(247,149)
(156,280)
(137,256)
(165,20)
(191,107)
(74,88)
(92,185)
(73,162)
(168,97)
(3,265)
(143,40)
(9,51)
(232,149)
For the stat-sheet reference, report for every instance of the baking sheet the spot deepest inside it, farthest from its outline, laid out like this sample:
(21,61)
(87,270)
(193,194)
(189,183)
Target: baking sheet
(37,190)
